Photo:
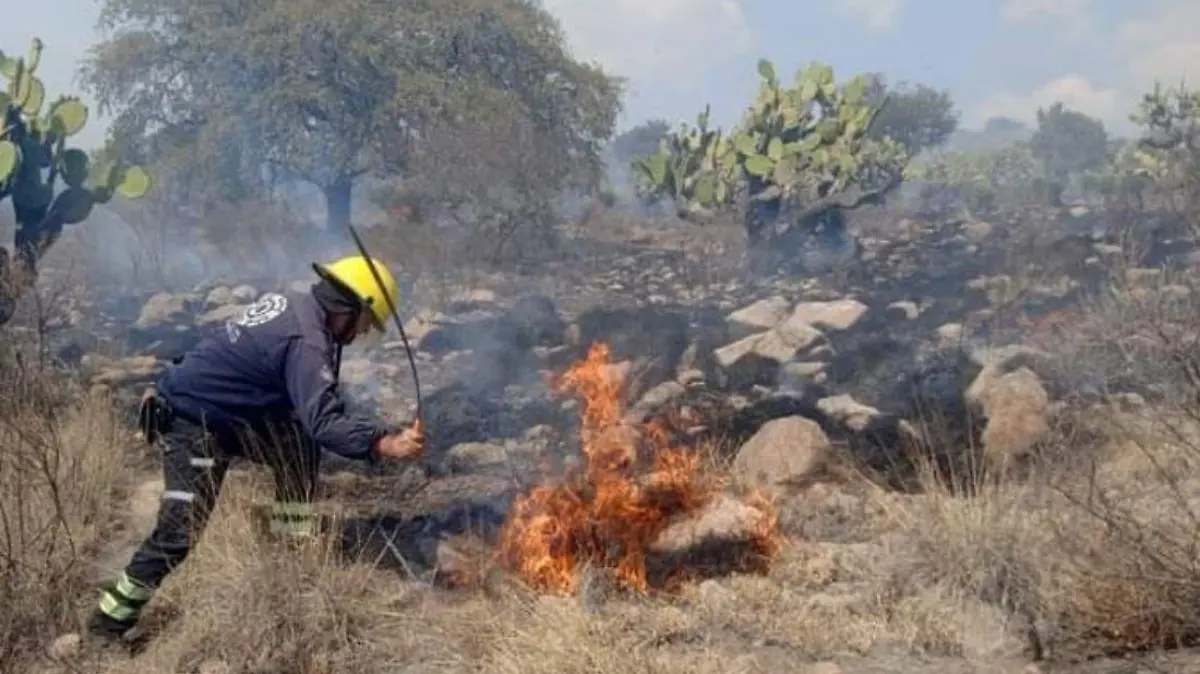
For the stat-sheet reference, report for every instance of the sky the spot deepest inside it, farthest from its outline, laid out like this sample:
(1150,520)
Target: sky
(996,57)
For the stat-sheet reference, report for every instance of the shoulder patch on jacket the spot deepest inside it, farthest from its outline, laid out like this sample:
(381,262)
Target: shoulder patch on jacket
(266,309)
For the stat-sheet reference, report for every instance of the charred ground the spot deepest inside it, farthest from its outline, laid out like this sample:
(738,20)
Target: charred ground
(920,427)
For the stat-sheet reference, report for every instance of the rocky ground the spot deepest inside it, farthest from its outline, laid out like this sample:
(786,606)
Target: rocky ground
(793,379)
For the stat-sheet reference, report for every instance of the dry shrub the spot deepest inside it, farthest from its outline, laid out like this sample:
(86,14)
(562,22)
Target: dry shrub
(1100,550)
(262,606)
(61,469)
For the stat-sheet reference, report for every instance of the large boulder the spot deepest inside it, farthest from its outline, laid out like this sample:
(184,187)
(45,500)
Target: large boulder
(759,358)
(785,452)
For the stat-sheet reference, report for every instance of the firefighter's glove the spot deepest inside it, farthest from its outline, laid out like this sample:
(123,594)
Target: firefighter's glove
(406,445)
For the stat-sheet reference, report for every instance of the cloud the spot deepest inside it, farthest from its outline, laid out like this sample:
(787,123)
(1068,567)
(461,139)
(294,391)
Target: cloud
(1158,43)
(653,39)
(1112,106)
(1163,46)
(1075,16)
(878,15)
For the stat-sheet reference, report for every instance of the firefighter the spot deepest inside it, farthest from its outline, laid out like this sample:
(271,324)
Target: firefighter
(263,388)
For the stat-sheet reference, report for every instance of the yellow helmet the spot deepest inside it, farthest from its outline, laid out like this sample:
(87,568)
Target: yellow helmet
(354,274)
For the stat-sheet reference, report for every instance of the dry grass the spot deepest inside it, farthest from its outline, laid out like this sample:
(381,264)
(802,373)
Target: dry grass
(61,468)
(1098,553)
(939,576)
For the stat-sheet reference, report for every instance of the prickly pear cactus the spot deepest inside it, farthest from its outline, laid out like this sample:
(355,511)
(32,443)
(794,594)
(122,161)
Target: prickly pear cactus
(798,150)
(49,184)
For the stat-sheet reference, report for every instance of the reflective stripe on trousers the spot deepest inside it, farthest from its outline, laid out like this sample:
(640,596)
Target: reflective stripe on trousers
(124,599)
(294,520)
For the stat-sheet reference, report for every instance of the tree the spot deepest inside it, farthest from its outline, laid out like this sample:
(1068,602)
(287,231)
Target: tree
(48,184)
(328,92)
(799,158)
(640,141)
(918,117)
(1004,125)
(1068,142)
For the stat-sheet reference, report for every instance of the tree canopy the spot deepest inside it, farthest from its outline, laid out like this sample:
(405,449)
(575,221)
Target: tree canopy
(1068,142)
(229,95)
(917,116)
(640,141)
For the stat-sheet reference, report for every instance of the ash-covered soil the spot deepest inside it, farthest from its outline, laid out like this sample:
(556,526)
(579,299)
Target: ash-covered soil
(796,384)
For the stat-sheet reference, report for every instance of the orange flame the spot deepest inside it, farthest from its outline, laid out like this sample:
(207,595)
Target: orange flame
(609,516)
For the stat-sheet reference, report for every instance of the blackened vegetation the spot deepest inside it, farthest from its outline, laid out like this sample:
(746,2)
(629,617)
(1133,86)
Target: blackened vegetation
(500,352)
(653,339)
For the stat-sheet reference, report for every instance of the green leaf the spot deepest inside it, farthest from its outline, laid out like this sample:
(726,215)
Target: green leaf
(767,70)
(759,165)
(134,183)
(775,149)
(68,117)
(855,91)
(31,94)
(8,66)
(809,91)
(722,192)
(74,205)
(73,165)
(656,165)
(823,74)
(35,55)
(706,190)
(10,159)
(745,145)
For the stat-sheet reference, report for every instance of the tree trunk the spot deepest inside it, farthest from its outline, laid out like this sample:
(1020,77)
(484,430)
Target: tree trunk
(337,203)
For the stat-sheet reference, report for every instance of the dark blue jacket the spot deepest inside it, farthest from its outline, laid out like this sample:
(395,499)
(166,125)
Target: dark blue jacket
(275,359)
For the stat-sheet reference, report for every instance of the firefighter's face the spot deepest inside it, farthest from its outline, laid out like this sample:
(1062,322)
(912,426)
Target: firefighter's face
(366,333)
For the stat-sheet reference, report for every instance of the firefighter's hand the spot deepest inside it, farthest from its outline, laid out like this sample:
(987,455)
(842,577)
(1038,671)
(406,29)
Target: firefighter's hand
(407,445)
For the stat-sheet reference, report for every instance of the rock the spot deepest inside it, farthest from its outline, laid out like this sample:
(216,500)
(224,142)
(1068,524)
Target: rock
(245,294)
(805,370)
(1016,408)
(358,371)
(976,230)
(757,359)
(849,413)
(214,667)
(724,520)
(133,370)
(474,296)
(761,315)
(65,647)
(950,334)
(652,338)
(783,452)
(836,315)
(538,320)
(660,395)
(162,308)
(219,296)
(221,314)
(468,457)
(903,310)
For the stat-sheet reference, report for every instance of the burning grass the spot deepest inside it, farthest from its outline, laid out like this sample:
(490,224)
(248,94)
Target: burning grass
(634,486)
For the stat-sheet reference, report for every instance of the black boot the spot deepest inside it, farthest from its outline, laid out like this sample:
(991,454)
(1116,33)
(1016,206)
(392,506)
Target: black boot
(105,628)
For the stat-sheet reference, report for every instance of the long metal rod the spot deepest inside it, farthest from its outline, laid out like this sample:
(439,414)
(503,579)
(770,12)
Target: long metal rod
(412,362)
